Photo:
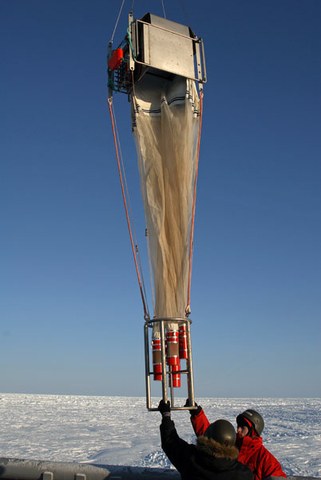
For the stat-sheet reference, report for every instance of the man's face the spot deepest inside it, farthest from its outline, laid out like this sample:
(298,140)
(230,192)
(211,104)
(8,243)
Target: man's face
(242,431)
(243,427)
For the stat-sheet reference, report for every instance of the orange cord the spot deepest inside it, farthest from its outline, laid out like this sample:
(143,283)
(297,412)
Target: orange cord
(121,178)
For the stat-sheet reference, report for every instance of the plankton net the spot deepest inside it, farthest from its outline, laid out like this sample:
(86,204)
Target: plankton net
(160,65)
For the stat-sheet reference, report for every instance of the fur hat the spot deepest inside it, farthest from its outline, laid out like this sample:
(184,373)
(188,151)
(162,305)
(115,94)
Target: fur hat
(216,449)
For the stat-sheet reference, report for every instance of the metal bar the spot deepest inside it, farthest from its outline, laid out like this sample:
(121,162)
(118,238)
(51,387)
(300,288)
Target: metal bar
(132,28)
(203,61)
(170,376)
(163,351)
(198,61)
(147,366)
(190,380)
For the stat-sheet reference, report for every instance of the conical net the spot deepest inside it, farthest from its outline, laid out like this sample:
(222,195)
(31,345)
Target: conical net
(166,127)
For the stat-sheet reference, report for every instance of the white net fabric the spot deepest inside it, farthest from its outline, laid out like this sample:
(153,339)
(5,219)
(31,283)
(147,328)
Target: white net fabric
(166,126)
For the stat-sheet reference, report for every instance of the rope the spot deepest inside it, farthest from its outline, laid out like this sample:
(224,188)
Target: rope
(117,21)
(188,308)
(123,191)
(164,13)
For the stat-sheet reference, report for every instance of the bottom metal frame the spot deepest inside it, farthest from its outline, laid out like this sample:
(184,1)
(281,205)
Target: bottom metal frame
(167,388)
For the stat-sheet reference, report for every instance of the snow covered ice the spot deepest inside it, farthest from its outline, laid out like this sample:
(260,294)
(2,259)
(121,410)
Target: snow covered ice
(120,430)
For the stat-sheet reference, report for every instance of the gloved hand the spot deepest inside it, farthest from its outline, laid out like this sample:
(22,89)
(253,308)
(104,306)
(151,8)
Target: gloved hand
(193,411)
(164,408)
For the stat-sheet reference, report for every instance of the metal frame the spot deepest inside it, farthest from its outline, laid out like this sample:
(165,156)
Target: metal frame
(167,389)
(188,60)
(197,43)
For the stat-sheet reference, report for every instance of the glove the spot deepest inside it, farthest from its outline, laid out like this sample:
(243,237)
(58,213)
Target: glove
(164,408)
(193,411)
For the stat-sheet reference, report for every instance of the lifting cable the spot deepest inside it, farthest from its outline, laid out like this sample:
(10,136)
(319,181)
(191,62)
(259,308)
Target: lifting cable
(116,23)
(164,13)
(134,246)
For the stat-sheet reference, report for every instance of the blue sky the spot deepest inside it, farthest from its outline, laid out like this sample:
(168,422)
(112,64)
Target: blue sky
(71,320)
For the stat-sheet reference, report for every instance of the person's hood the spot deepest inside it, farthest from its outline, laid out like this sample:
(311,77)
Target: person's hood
(211,460)
(215,449)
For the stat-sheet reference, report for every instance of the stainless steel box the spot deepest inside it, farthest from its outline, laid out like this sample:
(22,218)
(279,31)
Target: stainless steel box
(167,46)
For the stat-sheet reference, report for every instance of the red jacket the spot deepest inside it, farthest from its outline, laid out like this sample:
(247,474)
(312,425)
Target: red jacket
(252,451)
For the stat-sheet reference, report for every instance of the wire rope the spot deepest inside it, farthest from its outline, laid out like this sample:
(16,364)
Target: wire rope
(117,21)
(191,243)
(164,13)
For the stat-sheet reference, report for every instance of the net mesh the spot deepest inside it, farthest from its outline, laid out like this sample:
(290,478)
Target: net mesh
(166,125)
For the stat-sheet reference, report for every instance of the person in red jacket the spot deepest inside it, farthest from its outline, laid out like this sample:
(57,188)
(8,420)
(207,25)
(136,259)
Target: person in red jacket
(252,452)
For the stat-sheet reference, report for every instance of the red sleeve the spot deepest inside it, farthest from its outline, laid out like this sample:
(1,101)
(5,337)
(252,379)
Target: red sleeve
(200,423)
(270,466)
